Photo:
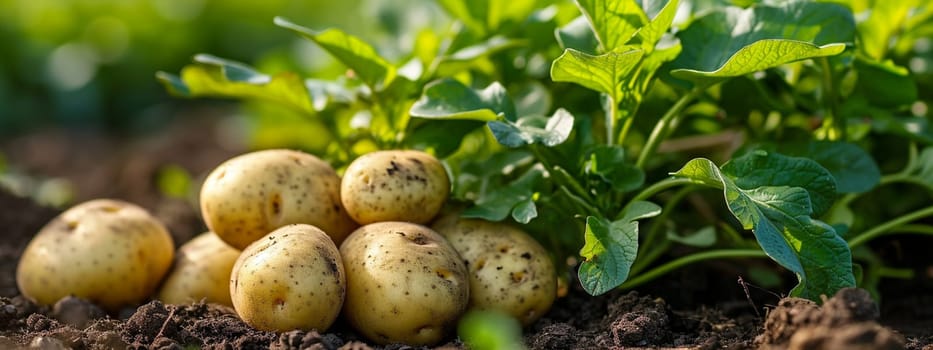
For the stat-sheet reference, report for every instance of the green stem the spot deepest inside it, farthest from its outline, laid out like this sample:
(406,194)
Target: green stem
(888,226)
(690,259)
(661,128)
(611,120)
(834,123)
(913,229)
(654,189)
(891,272)
(650,249)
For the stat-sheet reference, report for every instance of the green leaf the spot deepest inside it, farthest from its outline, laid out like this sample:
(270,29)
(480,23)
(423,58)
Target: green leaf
(603,73)
(212,76)
(853,168)
(924,169)
(733,41)
(610,247)
(578,35)
(450,99)
(885,20)
(615,22)
(608,163)
(761,168)
(486,16)
(512,199)
(779,217)
(524,211)
(443,137)
(356,54)
(650,34)
(534,130)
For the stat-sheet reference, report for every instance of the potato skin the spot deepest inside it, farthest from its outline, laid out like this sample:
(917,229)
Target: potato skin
(394,185)
(110,252)
(292,278)
(405,283)
(253,194)
(509,270)
(201,272)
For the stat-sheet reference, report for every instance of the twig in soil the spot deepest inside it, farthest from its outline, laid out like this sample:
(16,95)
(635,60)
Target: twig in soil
(164,324)
(748,296)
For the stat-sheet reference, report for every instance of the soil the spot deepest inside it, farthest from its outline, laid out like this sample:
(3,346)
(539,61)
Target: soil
(697,308)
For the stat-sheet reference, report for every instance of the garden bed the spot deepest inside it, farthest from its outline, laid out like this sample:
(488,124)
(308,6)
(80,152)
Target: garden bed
(619,319)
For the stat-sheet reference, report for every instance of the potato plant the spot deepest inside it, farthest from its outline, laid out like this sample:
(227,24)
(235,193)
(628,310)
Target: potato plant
(590,124)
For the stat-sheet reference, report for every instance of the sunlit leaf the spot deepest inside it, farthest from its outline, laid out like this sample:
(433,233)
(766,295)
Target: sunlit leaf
(610,248)
(216,77)
(548,131)
(450,99)
(356,54)
(615,22)
(601,73)
(732,41)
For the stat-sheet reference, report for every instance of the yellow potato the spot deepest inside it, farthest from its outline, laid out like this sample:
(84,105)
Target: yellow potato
(509,270)
(290,279)
(405,283)
(110,252)
(250,195)
(407,186)
(201,272)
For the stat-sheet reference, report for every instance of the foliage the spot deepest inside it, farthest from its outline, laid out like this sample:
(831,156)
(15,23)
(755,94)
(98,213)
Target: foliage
(574,119)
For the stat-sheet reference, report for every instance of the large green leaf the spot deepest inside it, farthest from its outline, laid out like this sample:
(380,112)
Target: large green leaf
(216,77)
(885,20)
(356,54)
(603,73)
(610,248)
(548,131)
(650,34)
(884,84)
(615,22)
(779,216)
(488,15)
(733,41)
(761,168)
(450,99)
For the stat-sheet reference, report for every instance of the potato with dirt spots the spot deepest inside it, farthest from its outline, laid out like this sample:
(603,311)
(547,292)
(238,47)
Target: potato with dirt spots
(201,272)
(396,185)
(110,252)
(253,194)
(509,271)
(405,283)
(290,279)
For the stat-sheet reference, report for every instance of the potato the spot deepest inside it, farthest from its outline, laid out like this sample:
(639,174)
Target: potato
(405,283)
(397,185)
(253,194)
(509,270)
(110,252)
(292,278)
(201,272)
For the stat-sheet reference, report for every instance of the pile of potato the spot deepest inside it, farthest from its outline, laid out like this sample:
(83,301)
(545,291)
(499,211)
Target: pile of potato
(277,218)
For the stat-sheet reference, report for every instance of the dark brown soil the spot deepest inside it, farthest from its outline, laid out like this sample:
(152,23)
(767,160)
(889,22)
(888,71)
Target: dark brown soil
(698,308)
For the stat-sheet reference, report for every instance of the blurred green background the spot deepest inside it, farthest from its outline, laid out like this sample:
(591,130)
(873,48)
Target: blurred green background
(89,64)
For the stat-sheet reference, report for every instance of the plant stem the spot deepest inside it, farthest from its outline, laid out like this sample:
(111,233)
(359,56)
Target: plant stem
(834,123)
(661,128)
(888,226)
(611,119)
(650,249)
(656,188)
(690,259)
